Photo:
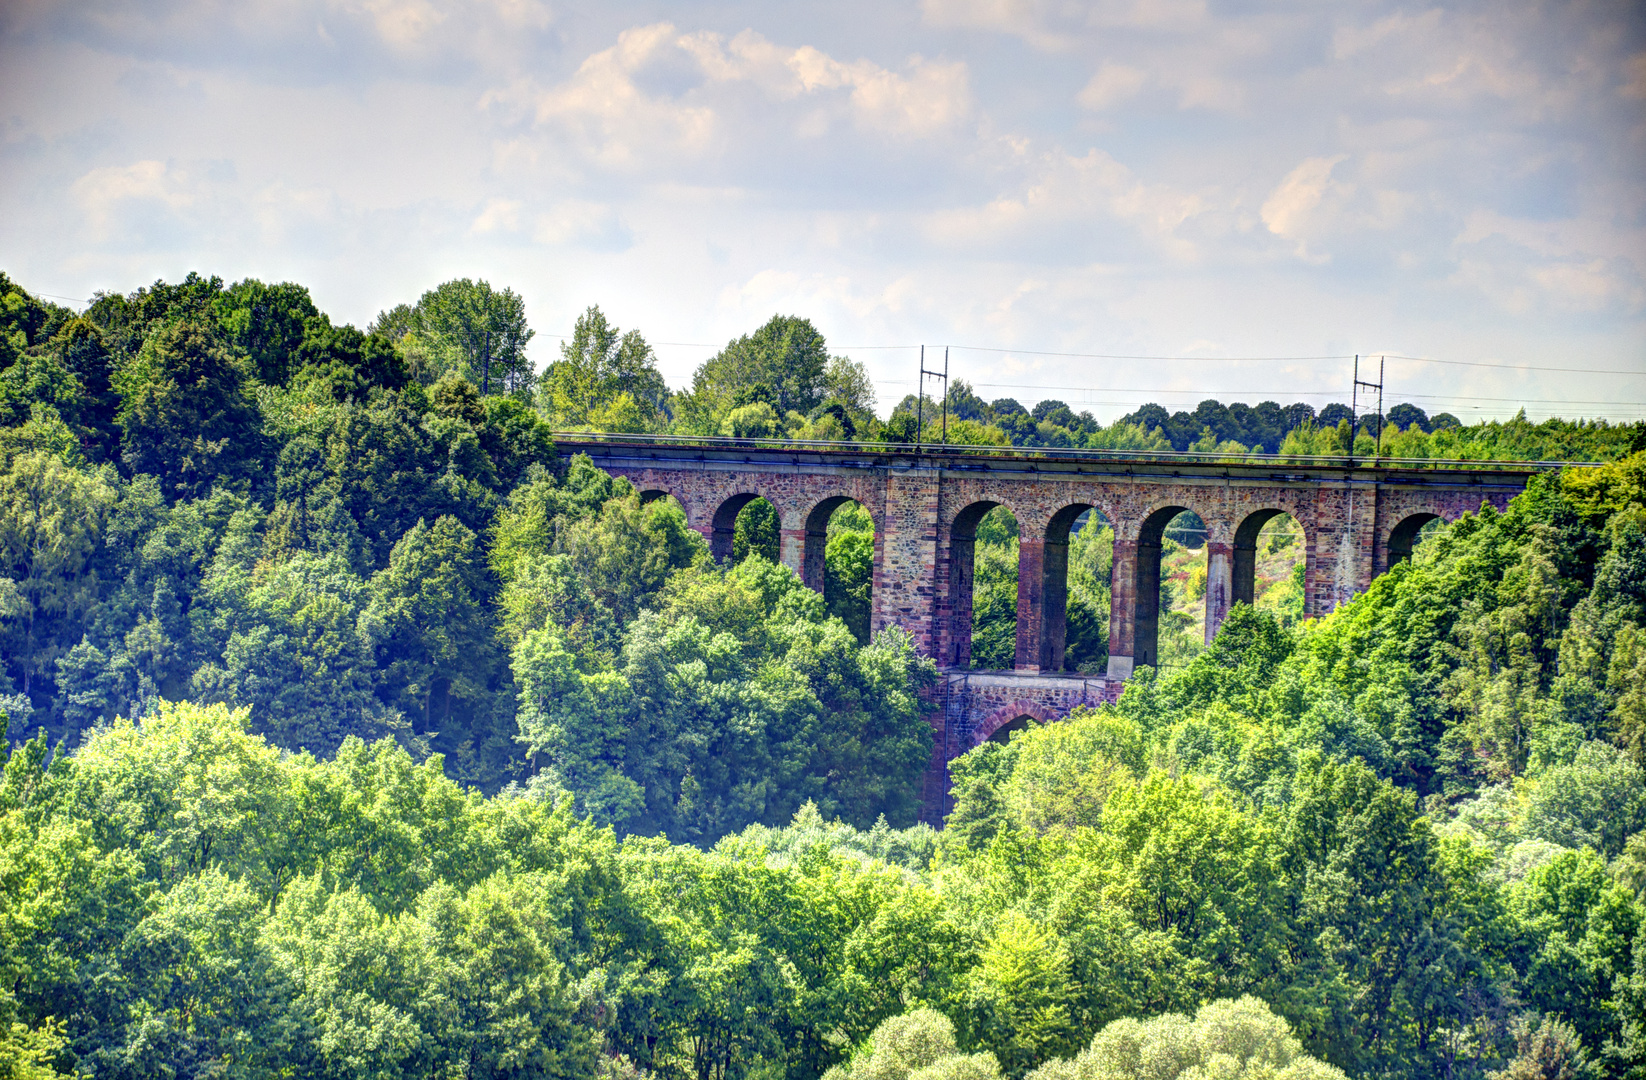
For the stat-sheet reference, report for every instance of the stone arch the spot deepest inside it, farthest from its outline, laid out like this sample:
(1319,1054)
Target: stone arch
(650,493)
(1403,537)
(810,549)
(724,522)
(1009,713)
(957,643)
(1051,623)
(1146,582)
(1243,572)
(816,526)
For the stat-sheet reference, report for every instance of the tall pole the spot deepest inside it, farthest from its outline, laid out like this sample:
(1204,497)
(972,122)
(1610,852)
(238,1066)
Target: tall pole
(920,400)
(945,395)
(1354,412)
(1380,363)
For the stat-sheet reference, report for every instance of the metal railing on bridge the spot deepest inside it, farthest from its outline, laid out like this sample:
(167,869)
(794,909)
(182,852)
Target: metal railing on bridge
(1191,457)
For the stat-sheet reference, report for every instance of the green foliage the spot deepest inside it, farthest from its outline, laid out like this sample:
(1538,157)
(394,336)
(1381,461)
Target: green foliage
(757,532)
(736,701)
(994,592)
(848,577)
(267,324)
(596,369)
(469,329)
(1547,1051)
(187,413)
(918,1043)
(785,363)
(51,519)
(1232,1038)
(491,771)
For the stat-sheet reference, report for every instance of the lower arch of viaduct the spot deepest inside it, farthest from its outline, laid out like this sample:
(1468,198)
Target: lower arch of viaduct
(1356,522)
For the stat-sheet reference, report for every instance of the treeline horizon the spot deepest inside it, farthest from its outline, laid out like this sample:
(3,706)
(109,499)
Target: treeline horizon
(778,381)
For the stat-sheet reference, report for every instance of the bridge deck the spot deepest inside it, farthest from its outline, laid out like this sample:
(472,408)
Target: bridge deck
(1035,460)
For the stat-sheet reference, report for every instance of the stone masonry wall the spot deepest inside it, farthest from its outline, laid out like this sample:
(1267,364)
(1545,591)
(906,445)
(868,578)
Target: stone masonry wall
(921,585)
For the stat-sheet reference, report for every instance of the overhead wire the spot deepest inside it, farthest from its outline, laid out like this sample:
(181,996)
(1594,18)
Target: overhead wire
(1163,391)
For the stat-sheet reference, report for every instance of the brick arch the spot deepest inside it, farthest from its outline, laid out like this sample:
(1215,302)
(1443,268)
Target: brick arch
(1403,537)
(651,492)
(650,485)
(1210,515)
(1047,553)
(1020,513)
(999,718)
(815,507)
(959,525)
(723,517)
(1249,521)
(812,513)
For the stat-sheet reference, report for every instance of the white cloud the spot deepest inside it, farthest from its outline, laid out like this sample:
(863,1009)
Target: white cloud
(1524,287)
(1057,25)
(1112,84)
(106,192)
(1066,196)
(1293,206)
(611,110)
(1634,78)
(499,215)
(908,171)
(1350,41)
(576,223)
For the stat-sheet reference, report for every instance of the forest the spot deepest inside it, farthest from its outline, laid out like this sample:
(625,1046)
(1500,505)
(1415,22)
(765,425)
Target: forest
(354,731)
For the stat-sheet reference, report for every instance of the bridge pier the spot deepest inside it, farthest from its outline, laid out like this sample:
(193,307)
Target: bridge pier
(1219,586)
(976,706)
(1357,521)
(1031,613)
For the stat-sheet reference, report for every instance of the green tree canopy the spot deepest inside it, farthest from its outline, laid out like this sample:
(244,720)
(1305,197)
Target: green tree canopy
(597,368)
(187,412)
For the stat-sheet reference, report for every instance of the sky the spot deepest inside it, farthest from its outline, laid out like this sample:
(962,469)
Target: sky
(1108,203)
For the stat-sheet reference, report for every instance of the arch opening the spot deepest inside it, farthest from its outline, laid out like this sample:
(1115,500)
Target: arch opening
(1077,562)
(745,525)
(838,560)
(649,497)
(982,588)
(1404,537)
(1003,734)
(1166,600)
(1267,563)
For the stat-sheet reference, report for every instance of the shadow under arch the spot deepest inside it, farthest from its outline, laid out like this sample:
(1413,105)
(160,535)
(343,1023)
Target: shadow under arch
(962,568)
(1014,716)
(840,590)
(1403,537)
(1146,580)
(1054,582)
(1243,568)
(725,524)
(1003,734)
(813,558)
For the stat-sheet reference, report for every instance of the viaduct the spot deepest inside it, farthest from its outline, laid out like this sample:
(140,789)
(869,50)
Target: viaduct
(1358,519)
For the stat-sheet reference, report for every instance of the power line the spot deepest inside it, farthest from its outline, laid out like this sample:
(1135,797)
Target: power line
(1216,359)
(1278,393)
(1286,359)
(1516,367)
(1119,356)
